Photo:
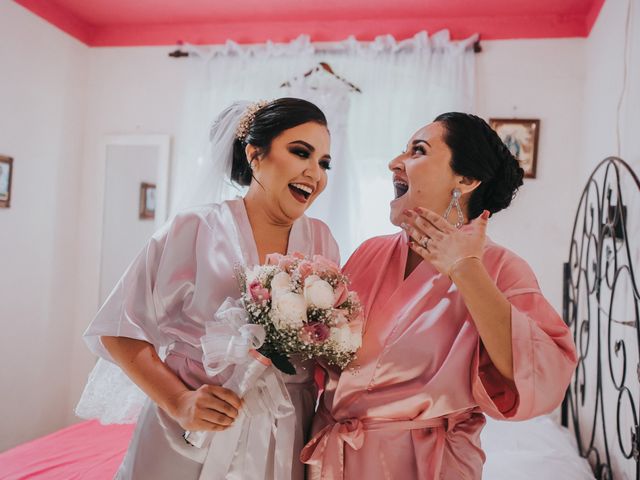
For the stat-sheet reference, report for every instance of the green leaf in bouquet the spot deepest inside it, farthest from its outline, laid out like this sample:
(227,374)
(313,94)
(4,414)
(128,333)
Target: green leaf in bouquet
(282,363)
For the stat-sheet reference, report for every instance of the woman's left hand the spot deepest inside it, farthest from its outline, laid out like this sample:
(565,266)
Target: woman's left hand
(439,242)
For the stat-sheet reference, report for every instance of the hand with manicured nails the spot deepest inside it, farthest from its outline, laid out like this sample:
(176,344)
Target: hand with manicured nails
(440,243)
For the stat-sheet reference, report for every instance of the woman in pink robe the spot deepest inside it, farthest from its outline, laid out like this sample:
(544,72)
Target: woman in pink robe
(456,326)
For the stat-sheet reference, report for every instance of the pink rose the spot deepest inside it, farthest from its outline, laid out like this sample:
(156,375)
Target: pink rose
(340,294)
(322,264)
(274,259)
(305,268)
(314,333)
(258,292)
(287,262)
(283,262)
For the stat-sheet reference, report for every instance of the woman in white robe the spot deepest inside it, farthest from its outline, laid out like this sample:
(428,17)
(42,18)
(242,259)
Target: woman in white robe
(186,271)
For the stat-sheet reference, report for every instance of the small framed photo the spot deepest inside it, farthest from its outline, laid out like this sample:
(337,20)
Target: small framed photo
(6,172)
(521,137)
(147,201)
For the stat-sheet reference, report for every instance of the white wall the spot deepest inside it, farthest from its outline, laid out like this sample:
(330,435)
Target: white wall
(124,233)
(539,79)
(133,90)
(604,66)
(42,105)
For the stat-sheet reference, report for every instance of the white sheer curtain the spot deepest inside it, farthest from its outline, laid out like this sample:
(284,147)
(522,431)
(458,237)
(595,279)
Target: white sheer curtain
(404,85)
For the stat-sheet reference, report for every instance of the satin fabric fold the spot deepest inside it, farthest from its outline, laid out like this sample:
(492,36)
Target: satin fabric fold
(422,359)
(177,283)
(330,442)
(266,422)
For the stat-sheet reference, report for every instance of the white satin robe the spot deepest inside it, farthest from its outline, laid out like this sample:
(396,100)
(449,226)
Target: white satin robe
(175,284)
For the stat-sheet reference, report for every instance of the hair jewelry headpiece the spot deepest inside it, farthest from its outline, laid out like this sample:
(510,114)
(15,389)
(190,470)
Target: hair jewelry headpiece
(248,117)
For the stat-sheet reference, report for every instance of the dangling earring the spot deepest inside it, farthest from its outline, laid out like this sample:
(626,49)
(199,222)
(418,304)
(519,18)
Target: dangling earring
(455,196)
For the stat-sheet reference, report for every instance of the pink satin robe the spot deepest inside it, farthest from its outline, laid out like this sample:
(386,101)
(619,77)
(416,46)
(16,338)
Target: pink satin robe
(412,405)
(171,289)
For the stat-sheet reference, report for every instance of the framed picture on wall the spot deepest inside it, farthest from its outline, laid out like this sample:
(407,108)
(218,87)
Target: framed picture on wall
(521,137)
(147,200)
(6,172)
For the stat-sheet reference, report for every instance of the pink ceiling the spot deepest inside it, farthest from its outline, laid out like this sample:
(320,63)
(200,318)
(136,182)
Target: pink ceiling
(165,22)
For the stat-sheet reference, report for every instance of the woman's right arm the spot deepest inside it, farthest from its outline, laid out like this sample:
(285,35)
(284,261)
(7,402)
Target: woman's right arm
(210,407)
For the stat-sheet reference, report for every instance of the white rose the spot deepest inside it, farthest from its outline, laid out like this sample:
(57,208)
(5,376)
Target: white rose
(311,279)
(345,340)
(281,280)
(280,284)
(318,292)
(290,310)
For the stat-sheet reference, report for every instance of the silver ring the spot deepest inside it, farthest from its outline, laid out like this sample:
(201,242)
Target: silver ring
(424,242)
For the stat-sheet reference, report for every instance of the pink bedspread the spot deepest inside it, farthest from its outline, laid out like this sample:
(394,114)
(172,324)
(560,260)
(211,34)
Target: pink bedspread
(87,450)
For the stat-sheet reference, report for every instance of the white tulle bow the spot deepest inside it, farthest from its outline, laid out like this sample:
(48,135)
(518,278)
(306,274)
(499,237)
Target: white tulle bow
(229,339)
(267,414)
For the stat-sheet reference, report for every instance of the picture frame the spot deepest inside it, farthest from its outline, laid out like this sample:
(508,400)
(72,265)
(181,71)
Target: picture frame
(147,201)
(520,135)
(6,174)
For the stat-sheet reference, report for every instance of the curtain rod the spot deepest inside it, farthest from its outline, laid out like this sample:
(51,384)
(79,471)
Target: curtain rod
(322,47)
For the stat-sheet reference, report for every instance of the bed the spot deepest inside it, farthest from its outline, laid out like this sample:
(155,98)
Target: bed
(89,450)
(599,436)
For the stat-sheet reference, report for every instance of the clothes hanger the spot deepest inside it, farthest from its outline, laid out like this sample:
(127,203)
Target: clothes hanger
(324,66)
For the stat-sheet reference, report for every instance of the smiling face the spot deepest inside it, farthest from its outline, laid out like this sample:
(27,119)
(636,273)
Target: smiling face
(291,175)
(422,174)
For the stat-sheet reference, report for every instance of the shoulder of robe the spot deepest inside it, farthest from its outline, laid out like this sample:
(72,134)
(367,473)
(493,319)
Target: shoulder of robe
(511,272)
(374,244)
(328,245)
(192,218)
(318,225)
(370,249)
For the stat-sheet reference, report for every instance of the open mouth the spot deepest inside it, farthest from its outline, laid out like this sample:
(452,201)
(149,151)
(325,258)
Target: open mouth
(300,191)
(401,187)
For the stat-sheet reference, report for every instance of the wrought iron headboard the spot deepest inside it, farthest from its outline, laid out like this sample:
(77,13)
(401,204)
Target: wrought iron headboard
(601,306)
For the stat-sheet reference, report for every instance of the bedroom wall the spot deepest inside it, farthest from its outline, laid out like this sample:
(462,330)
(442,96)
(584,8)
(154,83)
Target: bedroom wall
(133,91)
(538,79)
(42,101)
(604,66)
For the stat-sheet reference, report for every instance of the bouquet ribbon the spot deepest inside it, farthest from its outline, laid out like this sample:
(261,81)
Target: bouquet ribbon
(267,414)
(229,338)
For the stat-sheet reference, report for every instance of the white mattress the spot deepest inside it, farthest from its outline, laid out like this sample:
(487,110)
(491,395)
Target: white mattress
(533,449)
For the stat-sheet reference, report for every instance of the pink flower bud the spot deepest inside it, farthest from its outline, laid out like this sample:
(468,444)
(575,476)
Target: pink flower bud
(314,333)
(258,292)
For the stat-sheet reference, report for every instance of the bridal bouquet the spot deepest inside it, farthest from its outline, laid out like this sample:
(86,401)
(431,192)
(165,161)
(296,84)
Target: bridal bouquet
(305,308)
(293,305)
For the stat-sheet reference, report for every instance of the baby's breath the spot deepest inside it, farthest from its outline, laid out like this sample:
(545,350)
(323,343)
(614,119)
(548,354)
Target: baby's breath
(286,341)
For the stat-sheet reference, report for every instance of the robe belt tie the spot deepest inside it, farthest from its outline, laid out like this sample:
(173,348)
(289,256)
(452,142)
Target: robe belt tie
(326,449)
